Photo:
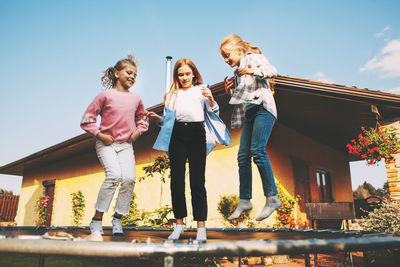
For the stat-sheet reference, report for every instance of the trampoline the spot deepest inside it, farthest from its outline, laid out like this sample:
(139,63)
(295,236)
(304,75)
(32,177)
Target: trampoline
(142,242)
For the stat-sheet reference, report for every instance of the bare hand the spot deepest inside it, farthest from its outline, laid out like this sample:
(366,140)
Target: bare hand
(207,93)
(105,138)
(243,71)
(229,84)
(135,135)
(154,116)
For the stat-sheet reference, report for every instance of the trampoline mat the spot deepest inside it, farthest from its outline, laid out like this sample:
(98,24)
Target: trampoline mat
(159,235)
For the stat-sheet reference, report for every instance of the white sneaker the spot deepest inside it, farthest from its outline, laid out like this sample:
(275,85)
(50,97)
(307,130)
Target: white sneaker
(96,226)
(117,227)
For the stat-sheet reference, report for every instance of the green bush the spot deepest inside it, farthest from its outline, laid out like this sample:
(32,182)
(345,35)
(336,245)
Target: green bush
(227,205)
(157,218)
(78,207)
(133,217)
(383,219)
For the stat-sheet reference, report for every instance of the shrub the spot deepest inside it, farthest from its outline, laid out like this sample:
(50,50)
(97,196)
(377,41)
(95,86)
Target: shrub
(383,219)
(78,207)
(285,213)
(133,217)
(227,205)
(157,218)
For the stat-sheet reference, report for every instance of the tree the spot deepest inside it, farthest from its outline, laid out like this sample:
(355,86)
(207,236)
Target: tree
(6,192)
(366,190)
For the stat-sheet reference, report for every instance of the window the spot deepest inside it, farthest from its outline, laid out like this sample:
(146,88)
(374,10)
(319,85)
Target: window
(324,185)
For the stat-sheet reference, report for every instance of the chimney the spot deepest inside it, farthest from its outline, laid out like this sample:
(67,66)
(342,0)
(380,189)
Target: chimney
(168,74)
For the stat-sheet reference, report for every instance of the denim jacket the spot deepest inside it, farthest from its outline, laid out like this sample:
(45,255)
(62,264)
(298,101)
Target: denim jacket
(215,128)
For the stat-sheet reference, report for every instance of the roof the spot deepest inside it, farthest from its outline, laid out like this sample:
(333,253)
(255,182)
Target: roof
(329,113)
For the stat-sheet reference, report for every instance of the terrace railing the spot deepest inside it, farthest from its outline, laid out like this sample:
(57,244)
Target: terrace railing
(8,207)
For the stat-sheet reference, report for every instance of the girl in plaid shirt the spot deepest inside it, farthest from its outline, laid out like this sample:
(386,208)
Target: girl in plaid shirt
(255,112)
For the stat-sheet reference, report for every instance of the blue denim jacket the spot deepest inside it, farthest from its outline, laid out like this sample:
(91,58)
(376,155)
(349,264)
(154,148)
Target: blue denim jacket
(215,128)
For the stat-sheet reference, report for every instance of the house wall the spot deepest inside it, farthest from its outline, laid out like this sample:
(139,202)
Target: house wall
(84,173)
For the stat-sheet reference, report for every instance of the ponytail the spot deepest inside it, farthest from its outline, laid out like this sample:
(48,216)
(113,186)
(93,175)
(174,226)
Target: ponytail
(109,80)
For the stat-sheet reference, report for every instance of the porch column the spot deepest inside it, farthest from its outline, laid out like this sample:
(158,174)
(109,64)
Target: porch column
(393,165)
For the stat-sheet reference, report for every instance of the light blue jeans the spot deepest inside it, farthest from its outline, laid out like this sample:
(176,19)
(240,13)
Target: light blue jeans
(118,162)
(256,130)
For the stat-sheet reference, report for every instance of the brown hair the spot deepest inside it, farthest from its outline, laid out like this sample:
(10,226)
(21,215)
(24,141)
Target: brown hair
(109,80)
(197,79)
(235,41)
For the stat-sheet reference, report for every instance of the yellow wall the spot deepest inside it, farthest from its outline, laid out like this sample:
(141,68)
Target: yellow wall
(84,173)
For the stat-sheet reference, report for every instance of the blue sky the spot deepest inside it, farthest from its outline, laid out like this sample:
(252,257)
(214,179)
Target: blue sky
(54,52)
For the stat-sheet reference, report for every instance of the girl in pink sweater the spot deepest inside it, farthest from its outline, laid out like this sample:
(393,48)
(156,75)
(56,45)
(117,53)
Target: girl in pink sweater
(122,122)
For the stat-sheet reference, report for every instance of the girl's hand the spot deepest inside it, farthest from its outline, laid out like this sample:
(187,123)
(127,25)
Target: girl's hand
(105,138)
(207,93)
(135,135)
(154,116)
(243,71)
(229,84)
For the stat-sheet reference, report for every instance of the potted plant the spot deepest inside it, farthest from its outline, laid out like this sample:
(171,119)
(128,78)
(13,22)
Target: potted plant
(374,144)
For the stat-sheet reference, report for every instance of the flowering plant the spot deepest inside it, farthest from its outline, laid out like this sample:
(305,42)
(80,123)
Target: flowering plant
(41,208)
(285,214)
(373,145)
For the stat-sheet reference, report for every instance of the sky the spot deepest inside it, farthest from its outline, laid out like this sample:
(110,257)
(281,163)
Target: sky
(53,54)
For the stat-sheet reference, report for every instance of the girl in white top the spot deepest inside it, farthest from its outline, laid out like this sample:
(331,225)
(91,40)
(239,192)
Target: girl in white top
(190,100)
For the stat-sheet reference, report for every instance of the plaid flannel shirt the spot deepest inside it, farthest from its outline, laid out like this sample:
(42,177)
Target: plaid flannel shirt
(253,88)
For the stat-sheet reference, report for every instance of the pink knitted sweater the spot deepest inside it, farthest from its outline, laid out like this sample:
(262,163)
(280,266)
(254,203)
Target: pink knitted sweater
(121,113)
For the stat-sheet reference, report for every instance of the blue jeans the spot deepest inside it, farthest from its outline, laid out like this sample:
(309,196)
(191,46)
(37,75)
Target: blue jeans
(256,130)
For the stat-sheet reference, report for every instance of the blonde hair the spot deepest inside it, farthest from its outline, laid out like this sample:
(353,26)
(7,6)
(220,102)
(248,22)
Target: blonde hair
(197,79)
(235,41)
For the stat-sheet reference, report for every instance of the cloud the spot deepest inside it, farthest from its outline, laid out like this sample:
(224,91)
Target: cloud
(387,61)
(395,90)
(379,34)
(319,76)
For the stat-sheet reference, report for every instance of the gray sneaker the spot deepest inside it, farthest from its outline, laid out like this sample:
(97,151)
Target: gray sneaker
(117,227)
(96,226)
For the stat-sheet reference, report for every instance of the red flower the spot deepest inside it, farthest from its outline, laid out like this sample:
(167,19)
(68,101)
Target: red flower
(360,136)
(380,132)
(363,156)
(353,141)
(379,157)
(385,139)
(371,162)
(375,148)
(366,143)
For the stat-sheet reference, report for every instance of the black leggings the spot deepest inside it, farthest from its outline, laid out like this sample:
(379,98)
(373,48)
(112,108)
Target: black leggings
(188,141)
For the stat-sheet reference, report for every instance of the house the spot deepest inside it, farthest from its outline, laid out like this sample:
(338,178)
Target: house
(307,149)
